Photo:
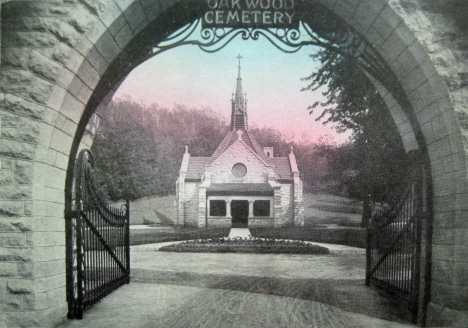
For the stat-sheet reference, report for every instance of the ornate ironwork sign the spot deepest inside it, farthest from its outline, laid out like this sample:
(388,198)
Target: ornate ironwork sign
(211,39)
(237,13)
(285,23)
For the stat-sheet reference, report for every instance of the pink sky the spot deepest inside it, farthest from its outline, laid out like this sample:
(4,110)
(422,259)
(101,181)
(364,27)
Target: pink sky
(187,75)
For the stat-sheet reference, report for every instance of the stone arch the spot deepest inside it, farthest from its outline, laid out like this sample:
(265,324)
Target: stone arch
(61,62)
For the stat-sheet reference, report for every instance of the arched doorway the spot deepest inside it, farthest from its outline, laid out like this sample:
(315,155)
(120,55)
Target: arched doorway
(107,41)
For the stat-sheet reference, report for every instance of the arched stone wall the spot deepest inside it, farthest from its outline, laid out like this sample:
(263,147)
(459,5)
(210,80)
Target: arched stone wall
(61,62)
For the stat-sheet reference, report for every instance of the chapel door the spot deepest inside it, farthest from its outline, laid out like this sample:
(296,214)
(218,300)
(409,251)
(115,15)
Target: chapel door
(240,213)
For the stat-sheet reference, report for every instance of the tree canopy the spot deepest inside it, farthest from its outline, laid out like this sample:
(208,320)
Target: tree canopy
(138,149)
(374,163)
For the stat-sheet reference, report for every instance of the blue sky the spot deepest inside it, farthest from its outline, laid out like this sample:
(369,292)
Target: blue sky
(272,79)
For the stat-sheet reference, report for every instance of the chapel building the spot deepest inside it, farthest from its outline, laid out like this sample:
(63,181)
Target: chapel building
(241,184)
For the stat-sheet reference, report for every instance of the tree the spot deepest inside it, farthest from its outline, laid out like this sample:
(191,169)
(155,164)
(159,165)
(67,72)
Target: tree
(375,157)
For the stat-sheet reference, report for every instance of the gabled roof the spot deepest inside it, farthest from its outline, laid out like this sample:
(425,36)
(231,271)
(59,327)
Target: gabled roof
(282,167)
(196,167)
(247,138)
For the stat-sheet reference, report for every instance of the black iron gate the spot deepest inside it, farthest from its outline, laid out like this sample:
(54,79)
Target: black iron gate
(98,251)
(394,245)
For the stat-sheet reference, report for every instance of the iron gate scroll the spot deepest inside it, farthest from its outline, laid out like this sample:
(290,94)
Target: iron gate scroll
(394,246)
(98,242)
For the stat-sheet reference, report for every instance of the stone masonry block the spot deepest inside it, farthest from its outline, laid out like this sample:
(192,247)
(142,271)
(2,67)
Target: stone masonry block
(52,238)
(69,127)
(49,268)
(109,13)
(152,9)
(118,24)
(41,90)
(21,106)
(15,81)
(16,254)
(439,316)
(45,284)
(50,317)
(6,177)
(50,253)
(28,131)
(15,149)
(68,56)
(81,20)
(30,39)
(346,9)
(7,269)
(73,108)
(47,209)
(13,239)
(124,36)
(135,16)
(457,253)
(88,74)
(75,86)
(11,303)
(16,193)
(366,15)
(124,4)
(43,66)
(451,296)
(405,7)
(49,298)
(15,224)
(45,155)
(107,46)
(407,61)
(413,80)
(101,65)
(393,46)
(61,141)
(25,269)
(7,164)
(387,21)
(418,22)
(84,94)
(14,58)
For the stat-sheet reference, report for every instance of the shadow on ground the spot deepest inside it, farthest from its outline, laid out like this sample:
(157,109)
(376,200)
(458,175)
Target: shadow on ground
(349,295)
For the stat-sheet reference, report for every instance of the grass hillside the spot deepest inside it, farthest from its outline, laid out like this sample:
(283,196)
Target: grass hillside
(325,209)
(153,210)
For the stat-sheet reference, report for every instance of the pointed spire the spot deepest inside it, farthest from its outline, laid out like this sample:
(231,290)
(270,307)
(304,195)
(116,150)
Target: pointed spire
(239,105)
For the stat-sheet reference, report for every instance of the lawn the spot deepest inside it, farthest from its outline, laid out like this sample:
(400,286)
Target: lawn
(153,210)
(322,210)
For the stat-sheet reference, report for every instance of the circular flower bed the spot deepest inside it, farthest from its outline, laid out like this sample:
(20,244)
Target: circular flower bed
(246,245)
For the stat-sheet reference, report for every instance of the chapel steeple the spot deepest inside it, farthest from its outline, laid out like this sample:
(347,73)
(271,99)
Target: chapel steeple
(239,104)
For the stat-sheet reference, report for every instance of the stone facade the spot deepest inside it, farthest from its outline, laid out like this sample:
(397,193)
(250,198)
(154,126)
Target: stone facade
(62,61)
(262,179)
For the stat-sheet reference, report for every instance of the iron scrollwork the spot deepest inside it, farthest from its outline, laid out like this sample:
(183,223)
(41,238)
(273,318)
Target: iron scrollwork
(212,39)
(342,40)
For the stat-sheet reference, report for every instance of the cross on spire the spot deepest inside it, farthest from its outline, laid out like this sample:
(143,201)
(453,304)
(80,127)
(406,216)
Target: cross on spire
(239,57)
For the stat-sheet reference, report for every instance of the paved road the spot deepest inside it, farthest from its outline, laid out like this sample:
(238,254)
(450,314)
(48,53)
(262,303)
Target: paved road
(244,290)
